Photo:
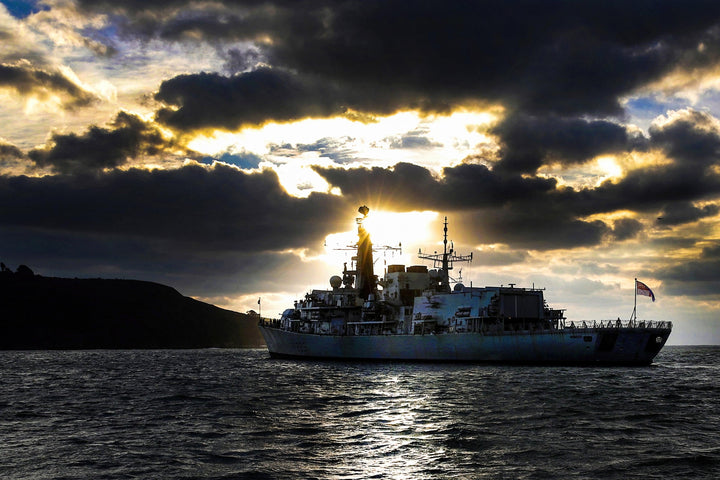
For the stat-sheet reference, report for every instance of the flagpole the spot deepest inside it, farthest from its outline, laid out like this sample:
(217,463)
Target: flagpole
(635,307)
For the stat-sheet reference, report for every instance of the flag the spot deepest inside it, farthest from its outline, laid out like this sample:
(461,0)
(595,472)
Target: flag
(643,289)
(261,297)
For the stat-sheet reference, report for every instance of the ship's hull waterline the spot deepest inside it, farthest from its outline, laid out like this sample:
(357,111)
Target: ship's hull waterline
(591,346)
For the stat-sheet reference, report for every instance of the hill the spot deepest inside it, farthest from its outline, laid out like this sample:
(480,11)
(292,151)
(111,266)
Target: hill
(61,313)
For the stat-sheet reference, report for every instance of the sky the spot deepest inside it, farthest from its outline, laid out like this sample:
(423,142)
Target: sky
(223,148)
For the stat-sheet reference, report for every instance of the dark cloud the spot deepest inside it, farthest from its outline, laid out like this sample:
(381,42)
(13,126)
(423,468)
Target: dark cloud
(220,208)
(209,100)
(212,22)
(541,57)
(531,212)
(689,144)
(559,56)
(694,277)
(208,21)
(194,21)
(128,136)
(626,228)
(237,60)
(11,157)
(672,243)
(528,142)
(690,137)
(193,271)
(493,258)
(689,140)
(204,230)
(535,227)
(30,81)
(102,47)
(8,150)
(680,213)
(408,186)
(521,212)
(647,191)
(711,252)
(403,187)
(560,69)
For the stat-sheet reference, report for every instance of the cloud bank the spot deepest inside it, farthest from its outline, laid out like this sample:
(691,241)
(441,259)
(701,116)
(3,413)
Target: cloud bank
(604,134)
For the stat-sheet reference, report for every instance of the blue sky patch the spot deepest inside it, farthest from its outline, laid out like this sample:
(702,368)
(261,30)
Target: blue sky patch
(22,8)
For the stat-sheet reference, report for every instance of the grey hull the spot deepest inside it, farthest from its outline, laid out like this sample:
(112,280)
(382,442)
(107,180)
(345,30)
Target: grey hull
(594,346)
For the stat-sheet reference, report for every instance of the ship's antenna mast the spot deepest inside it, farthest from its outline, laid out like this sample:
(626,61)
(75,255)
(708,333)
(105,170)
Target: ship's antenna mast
(363,272)
(361,264)
(365,276)
(446,259)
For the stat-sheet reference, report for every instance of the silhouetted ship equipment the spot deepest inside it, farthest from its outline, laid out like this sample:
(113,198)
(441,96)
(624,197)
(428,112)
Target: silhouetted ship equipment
(416,315)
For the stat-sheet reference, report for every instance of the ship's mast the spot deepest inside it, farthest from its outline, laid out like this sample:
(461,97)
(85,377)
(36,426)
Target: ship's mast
(365,273)
(362,270)
(446,259)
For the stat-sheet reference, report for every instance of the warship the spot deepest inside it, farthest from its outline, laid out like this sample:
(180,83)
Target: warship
(418,314)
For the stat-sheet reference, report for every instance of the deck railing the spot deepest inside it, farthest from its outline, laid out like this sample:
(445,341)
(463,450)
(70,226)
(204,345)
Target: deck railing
(586,324)
(564,325)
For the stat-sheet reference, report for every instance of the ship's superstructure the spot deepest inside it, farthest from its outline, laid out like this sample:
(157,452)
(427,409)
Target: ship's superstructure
(413,313)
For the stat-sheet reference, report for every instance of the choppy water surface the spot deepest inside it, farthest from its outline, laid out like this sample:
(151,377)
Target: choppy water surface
(238,414)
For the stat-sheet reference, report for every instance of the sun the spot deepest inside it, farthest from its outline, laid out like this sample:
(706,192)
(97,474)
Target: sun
(402,232)
(389,228)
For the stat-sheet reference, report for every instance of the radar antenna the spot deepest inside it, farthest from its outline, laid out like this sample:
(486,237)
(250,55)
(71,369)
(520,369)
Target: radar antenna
(445,260)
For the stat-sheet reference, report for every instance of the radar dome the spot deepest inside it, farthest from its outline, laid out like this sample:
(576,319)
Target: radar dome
(459,287)
(335,281)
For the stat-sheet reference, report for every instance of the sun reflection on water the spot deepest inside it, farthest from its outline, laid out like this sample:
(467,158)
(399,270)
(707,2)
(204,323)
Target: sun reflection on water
(391,431)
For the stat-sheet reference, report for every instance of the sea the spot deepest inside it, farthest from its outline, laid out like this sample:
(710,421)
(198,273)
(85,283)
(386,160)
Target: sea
(238,414)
